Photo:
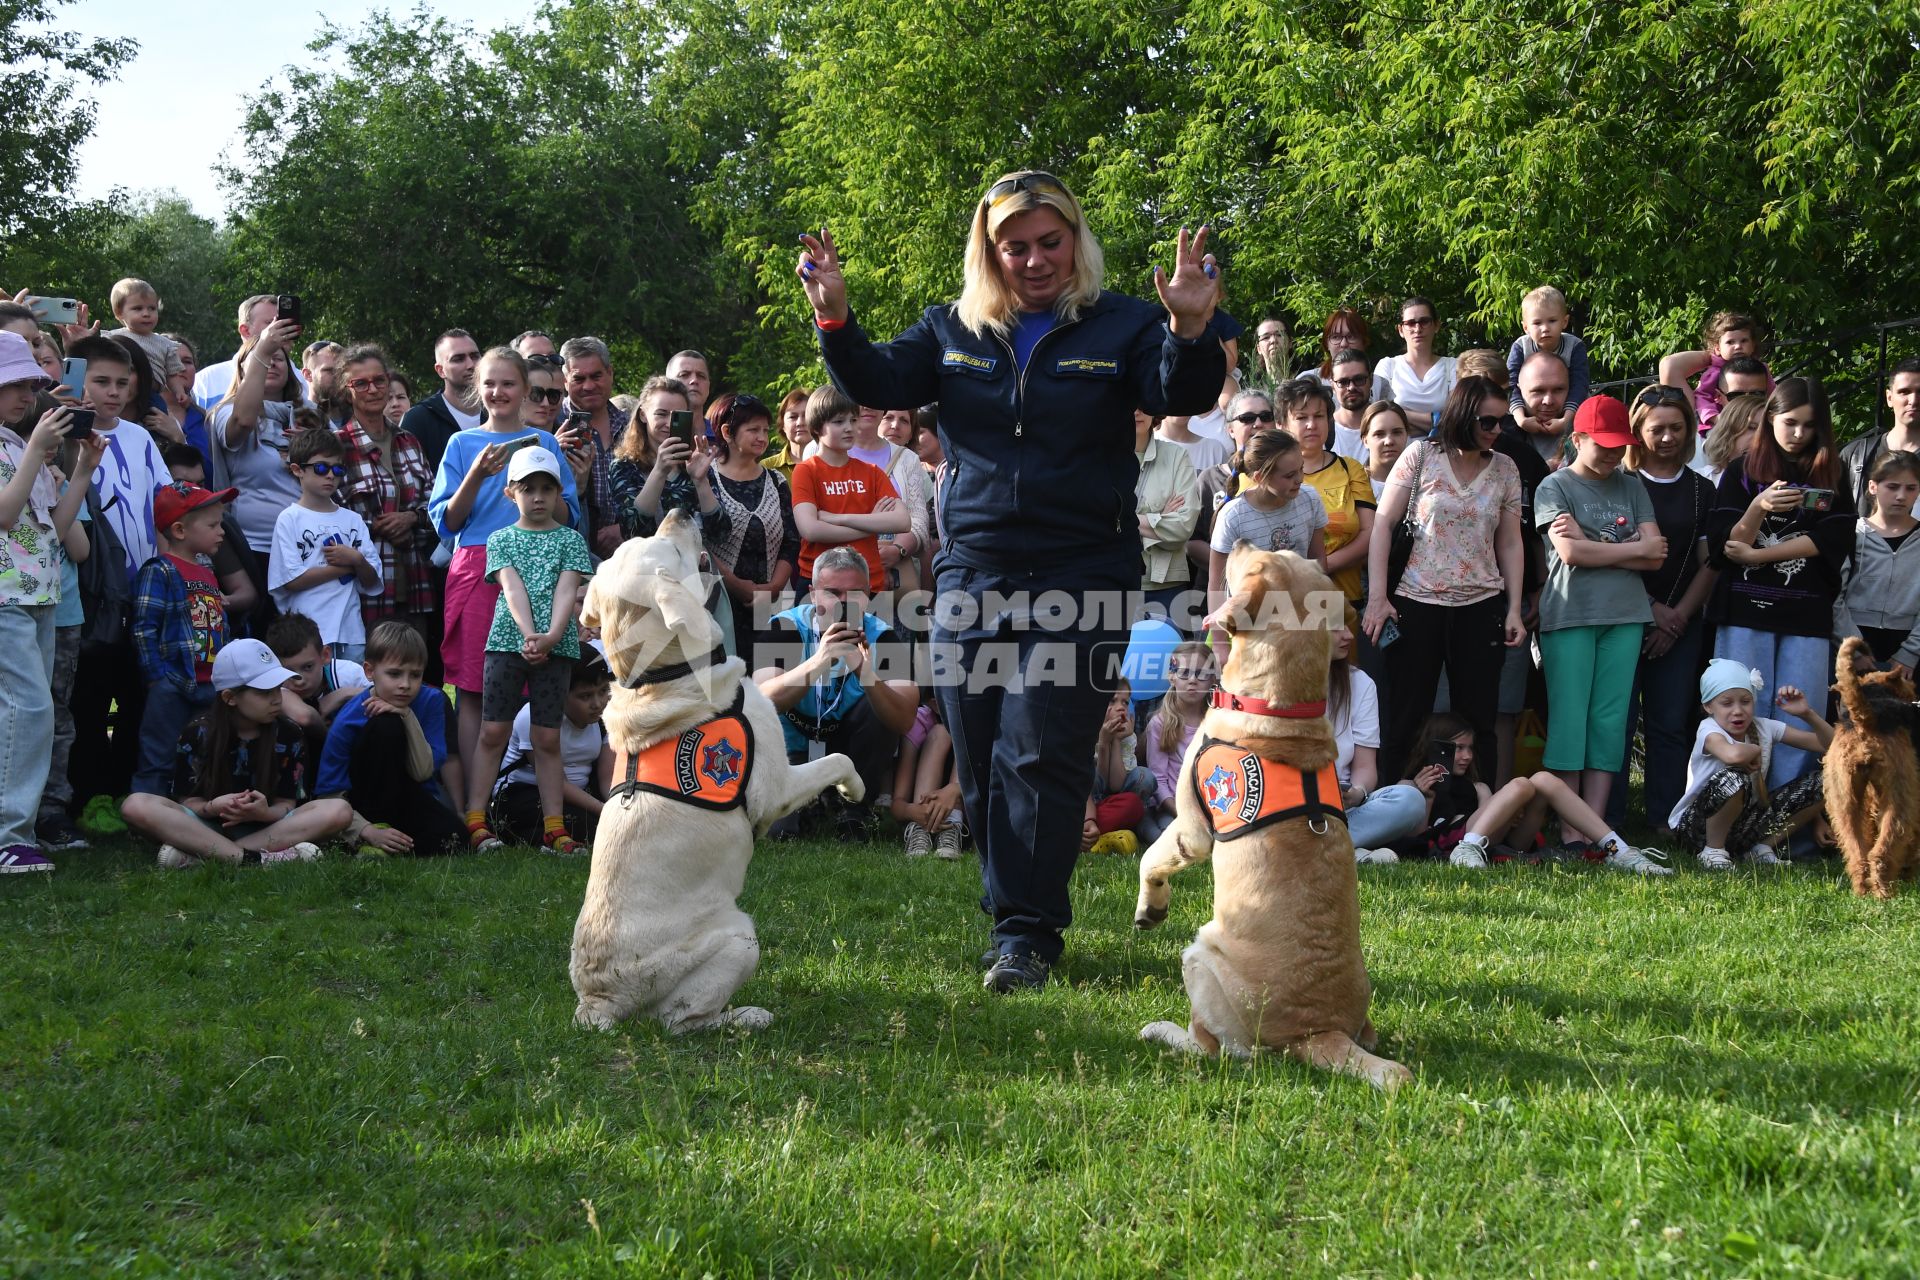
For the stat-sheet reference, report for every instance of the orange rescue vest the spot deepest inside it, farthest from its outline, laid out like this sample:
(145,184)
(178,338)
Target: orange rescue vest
(706,766)
(1242,792)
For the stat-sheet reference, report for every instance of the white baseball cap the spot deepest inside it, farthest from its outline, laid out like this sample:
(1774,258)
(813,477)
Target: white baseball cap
(532,460)
(248,664)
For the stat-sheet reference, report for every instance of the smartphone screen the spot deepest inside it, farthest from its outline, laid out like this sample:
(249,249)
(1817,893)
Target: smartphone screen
(680,426)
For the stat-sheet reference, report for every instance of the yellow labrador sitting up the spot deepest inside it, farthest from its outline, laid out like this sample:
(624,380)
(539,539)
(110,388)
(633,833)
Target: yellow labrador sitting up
(700,770)
(1279,964)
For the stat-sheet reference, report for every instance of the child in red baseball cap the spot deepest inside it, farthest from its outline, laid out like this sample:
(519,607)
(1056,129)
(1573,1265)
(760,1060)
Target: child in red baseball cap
(179,621)
(1601,535)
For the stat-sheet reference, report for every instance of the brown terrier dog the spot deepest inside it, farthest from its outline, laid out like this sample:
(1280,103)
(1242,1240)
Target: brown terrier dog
(1871,773)
(1279,964)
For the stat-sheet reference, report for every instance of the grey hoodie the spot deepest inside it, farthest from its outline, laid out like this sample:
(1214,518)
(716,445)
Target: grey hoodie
(1883,590)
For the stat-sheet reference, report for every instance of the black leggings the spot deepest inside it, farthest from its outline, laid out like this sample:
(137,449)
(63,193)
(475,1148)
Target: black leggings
(1469,640)
(381,790)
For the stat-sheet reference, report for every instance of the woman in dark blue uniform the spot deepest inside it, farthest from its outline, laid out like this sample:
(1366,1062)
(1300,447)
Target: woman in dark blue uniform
(1037,370)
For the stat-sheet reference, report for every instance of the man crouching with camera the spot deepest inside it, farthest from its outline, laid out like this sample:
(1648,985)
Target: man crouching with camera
(826,685)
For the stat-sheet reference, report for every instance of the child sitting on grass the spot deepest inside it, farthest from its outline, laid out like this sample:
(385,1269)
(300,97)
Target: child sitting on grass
(240,776)
(1726,809)
(179,623)
(385,746)
(926,787)
(321,683)
(1123,811)
(1192,673)
(586,759)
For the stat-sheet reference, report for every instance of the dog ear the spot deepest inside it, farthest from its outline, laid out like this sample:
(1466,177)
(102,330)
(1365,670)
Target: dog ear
(590,609)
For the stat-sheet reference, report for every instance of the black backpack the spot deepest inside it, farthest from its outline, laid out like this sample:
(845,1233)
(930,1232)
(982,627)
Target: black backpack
(105,593)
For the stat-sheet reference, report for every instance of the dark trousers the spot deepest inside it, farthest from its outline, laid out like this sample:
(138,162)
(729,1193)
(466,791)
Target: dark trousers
(1468,641)
(381,789)
(109,698)
(1024,706)
(859,736)
(1666,690)
(518,817)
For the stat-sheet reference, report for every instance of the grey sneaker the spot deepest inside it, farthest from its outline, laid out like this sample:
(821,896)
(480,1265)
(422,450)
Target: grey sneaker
(1469,855)
(1017,971)
(1375,857)
(919,843)
(176,859)
(1714,860)
(1641,862)
(947,843)
(302,852)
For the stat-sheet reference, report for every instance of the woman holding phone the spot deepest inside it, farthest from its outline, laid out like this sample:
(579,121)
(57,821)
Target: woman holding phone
(1034,346)
(658,466)
(468,503)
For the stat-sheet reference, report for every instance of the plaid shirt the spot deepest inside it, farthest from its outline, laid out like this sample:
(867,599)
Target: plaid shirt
(601,504)
(163,637)
(370,491)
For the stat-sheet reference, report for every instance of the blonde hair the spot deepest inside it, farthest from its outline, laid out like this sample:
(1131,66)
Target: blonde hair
(1643,409)
(637,444)
(1545,293)
(126,290)
(986,302)
(1166,723)
(1482,362)
(1733,429)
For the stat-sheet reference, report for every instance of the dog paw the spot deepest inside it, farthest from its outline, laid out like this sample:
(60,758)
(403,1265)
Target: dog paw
(1170,1034)
(595,1019)
(853,790)
(1389,1076)
(1148,917)
(749,1018)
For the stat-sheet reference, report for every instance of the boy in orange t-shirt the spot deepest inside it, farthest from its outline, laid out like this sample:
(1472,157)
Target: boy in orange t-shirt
(837,498)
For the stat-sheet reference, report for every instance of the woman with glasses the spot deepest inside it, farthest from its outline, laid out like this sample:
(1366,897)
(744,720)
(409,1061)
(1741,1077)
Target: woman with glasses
(387,484)
(1419,381)
(1665,689)
(546,388)
(1038,370)
(757,557)
(1457,604)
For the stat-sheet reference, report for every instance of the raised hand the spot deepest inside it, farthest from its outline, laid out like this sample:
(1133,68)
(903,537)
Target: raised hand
(819,271)
(1194,291)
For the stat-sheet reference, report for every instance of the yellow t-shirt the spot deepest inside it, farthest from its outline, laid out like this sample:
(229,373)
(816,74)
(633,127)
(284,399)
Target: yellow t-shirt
(1344,489)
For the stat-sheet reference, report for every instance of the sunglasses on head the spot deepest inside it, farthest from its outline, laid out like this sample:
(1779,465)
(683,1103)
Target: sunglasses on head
(544,361)
(326,468)
(1007,188)
(745,408)
(546,395)
(1659,394)
(1258,415)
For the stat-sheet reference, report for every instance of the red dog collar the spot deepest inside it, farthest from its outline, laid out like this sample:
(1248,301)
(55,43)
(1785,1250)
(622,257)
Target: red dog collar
(1261,707)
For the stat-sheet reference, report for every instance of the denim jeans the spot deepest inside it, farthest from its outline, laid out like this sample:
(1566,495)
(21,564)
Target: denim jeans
(1803,661)
(167,712)
(26,717)
(66,659)
(1389,814)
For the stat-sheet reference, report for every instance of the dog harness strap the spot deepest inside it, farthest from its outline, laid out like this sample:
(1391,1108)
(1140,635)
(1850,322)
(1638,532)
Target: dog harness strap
(1242,792)
(660,675)
(1261,707)
(706,766)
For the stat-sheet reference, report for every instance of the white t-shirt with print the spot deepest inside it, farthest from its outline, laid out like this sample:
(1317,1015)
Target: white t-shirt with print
(579,750)
(1358,725)
(300,540)
(129,471)
(1703,767)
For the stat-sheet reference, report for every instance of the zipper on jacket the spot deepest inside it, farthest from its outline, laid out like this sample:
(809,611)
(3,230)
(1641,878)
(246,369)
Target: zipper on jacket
(1020,390)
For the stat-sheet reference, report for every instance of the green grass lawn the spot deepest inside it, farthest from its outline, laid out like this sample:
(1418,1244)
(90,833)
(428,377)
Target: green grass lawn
(370,1068)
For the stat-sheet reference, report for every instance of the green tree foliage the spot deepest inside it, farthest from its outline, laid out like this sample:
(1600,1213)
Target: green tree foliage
(185,258)
(43,113)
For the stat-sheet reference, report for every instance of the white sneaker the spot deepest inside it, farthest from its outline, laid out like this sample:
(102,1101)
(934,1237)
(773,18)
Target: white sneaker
(1641,862)
(1762,855)
(1377,857)
(947,843)
(302,852)
(1715,860)
(1469,855)
(919,843)
(176,859)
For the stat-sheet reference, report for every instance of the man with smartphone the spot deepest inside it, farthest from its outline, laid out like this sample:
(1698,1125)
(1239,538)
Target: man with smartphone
(589,427)
(841,682)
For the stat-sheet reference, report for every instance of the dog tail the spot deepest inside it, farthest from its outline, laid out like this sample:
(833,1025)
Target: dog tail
(1846,681)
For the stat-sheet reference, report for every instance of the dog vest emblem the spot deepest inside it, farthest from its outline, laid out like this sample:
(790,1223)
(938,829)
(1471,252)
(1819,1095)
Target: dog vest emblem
(1242,792)
(705,766)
